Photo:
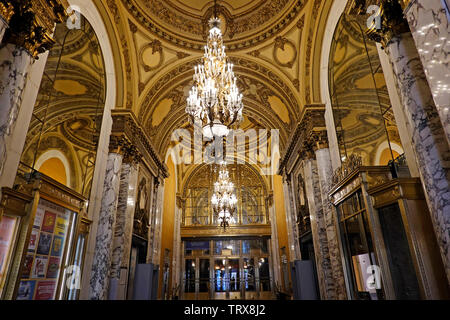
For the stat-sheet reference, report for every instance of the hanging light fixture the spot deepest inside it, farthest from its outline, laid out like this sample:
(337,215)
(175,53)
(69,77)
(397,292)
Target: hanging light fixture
(224,200)
(215,99)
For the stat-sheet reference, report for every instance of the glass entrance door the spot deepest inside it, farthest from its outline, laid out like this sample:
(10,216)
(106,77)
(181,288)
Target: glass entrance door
(227,270)
(220,279)
(234,276)
(227,279)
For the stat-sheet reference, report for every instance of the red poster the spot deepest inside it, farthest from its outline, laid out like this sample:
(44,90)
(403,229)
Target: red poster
(27,266)
(45,290)
(49,222)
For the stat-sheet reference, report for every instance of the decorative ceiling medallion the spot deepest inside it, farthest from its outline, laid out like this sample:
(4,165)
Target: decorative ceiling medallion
(158,19)
(284,52)
(151,56)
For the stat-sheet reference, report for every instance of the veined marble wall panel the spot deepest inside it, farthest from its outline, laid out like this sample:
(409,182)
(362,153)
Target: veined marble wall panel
(3,27)
(399,115)
(325,173)
(275,246)
(429,24)
(291,224)
(15,142)
(122,231)
(15,63)
(319,231)
(105,230)
(158,224)
(428,137)
(176,259)
(144,201)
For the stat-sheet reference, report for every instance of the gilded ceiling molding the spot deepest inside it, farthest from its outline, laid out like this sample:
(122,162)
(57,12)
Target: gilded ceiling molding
(196,43)
(309,46)
(32,23)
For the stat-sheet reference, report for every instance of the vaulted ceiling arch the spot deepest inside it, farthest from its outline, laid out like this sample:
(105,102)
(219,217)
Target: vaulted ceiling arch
(268,100)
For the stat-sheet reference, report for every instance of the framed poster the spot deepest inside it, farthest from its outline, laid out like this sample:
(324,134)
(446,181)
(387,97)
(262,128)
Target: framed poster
(57,247)
(38,218)
(45,252)
(39,268)
(26,290)
(49,222)
(45,241)
(33,240)
(45,290)
(53,268)
(27,266)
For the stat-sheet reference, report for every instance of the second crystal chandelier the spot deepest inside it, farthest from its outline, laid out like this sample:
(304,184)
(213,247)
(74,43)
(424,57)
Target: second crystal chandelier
(215,99)
(223,200)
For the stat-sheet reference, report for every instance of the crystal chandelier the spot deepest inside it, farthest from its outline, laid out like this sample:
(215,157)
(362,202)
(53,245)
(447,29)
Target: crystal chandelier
(224,201)
(215,100)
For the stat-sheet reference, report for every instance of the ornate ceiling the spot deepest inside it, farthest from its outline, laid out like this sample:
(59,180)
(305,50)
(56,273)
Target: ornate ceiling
(69,107)
(361,104)
(270,43)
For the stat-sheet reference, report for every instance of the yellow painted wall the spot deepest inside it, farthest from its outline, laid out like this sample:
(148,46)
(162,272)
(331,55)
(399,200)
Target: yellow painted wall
(54,168)
(281,221)
(168,223)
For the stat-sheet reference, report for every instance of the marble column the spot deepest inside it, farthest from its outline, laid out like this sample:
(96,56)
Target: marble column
(319,231)
(275,248)
(428,136)
(105,232)
(177,254)
(325,173)
(429,24)
(15,62)
(156,255)
(123,229)
(291,220)
(152,221)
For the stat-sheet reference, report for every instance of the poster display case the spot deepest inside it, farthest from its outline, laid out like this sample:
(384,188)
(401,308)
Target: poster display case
(13,208)
(386,235)
(47,260)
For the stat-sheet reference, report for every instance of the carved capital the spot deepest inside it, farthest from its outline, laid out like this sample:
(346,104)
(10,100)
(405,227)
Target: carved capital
(309,136)
(391,20)
(181,202)
(131,154)
(314,131)
(118,144)
(6,10)
(125,124)
(32,23)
